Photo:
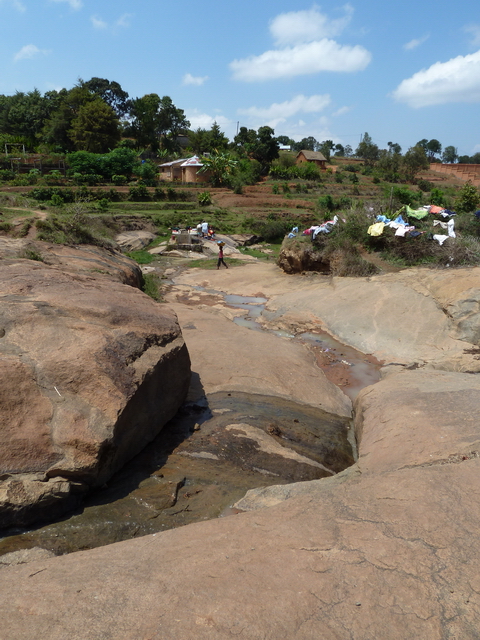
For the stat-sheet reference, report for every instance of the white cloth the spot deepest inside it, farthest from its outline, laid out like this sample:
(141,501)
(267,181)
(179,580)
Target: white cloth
(440,239)
(450,226)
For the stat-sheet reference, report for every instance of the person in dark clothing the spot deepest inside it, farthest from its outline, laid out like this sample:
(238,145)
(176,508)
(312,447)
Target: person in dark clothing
(220,257)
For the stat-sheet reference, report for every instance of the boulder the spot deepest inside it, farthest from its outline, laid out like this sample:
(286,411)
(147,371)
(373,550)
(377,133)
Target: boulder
(91,371)
(134,240)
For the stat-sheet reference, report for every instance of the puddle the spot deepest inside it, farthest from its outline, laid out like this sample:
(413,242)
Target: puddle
(205,460)
(346,367)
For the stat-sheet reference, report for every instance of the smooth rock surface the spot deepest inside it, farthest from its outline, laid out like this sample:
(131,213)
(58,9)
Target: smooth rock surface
(388,553)
(91,371)
(227,357)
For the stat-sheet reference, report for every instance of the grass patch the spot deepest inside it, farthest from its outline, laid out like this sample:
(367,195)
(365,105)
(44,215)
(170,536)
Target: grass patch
(141,256)
(150,286)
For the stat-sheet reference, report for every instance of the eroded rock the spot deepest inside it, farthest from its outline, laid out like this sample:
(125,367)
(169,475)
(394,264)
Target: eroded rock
(91,371)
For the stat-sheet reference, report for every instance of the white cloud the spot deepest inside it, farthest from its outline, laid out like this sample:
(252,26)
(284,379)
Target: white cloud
(457,80)
(122,22)
(205,121)
(342,111)
(296,27)
(29,51)
(313,57)
(75,4)
(277,113)
(98,23)
(195,80)
(416,42)
(305,47)
(474,30)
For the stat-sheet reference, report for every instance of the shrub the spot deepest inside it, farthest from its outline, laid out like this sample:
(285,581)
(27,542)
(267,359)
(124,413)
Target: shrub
(150,286)
(469,198)
(425,185)
(139,193)
(119,180)
(204,198)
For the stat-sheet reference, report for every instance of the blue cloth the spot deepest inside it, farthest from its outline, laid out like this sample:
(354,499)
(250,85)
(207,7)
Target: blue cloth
(400,220)
(383,219)
(477,213)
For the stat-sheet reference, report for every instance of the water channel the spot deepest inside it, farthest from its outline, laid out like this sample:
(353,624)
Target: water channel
(212,452)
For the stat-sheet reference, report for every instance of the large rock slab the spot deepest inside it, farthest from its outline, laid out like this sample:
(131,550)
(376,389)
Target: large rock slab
(370,553)
(91,371)
(417,316)
(228,357)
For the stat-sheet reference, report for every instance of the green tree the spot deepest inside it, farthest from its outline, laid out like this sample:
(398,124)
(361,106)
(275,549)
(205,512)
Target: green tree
(258,145)
(95,128)
(414,161)
(394,148)
(450,155)
(433,149)
(156,122)
(111,93)
(326,147)
(367,150)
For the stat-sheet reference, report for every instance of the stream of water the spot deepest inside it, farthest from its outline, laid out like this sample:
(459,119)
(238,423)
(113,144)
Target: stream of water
(213,451)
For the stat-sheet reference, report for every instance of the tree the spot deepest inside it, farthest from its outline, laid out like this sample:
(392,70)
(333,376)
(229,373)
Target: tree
(110,92)
(326,147)
(95,128)
(306,144)
(394,148)
(156,122)
(433,149)
(208,141)
(258,145)
(220,166)
(367,150)
(414,161)
(450,155)
(339,150)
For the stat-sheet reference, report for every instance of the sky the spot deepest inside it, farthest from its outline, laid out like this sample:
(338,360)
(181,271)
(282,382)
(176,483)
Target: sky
(400,71)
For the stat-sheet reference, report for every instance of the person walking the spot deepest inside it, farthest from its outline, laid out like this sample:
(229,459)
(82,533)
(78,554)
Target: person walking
(220,256)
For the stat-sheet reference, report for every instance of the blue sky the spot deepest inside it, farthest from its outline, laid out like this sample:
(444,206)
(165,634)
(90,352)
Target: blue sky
(400,71)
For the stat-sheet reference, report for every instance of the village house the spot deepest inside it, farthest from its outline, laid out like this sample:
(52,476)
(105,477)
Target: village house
(183,170)
(311,156)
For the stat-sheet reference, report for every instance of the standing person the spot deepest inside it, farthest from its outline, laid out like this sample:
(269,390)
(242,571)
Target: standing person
(220,256)
(205,229)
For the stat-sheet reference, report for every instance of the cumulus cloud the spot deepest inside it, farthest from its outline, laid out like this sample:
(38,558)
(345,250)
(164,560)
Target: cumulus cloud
(295,27)
(303,59)
(195,80)
(305,46)
(205,121)
(29,51)
(75,4)
(277,113)
(416,42)
(457,80)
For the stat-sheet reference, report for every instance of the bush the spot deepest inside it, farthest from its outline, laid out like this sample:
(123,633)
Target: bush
(119,180)
(271,230)
(437,197)
(469,198)
(204,198)
(425,185)
(139,193)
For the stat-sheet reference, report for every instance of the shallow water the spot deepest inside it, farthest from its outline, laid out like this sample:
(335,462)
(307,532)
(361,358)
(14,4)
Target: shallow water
(203,461)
